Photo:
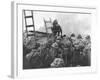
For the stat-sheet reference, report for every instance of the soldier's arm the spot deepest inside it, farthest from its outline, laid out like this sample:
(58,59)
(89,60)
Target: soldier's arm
(60,29)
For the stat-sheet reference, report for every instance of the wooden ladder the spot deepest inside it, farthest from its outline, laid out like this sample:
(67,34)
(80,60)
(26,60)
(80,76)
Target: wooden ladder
(28,26)
(47,28)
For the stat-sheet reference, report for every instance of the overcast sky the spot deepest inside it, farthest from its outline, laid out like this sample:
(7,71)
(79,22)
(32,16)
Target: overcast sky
(69,22)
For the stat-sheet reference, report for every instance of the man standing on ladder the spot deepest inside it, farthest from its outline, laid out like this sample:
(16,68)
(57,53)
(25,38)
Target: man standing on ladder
(56,28)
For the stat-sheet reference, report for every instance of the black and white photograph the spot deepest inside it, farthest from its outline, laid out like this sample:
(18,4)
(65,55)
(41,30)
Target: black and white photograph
(56,39)
(53,40)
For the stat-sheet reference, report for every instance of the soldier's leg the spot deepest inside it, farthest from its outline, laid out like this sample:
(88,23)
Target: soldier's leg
(58,33)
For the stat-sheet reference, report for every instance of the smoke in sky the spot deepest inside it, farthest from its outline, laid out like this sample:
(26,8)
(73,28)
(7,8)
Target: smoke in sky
(75,23)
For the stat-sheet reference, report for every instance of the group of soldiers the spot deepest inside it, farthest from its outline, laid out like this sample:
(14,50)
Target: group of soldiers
(59,51)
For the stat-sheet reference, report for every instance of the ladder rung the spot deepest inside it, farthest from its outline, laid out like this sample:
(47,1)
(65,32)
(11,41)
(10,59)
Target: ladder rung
(31,31)
(28,16)
(30,34)
(30,26)
(48,21)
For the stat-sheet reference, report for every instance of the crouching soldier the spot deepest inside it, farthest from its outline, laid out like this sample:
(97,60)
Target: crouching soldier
(56,28)
(34,59)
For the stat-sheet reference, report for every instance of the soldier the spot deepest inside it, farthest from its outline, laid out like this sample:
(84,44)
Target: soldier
(56,28)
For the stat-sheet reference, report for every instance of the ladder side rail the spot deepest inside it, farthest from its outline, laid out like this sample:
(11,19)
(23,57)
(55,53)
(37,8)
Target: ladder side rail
(25,23)
(33,24)
(47,27)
